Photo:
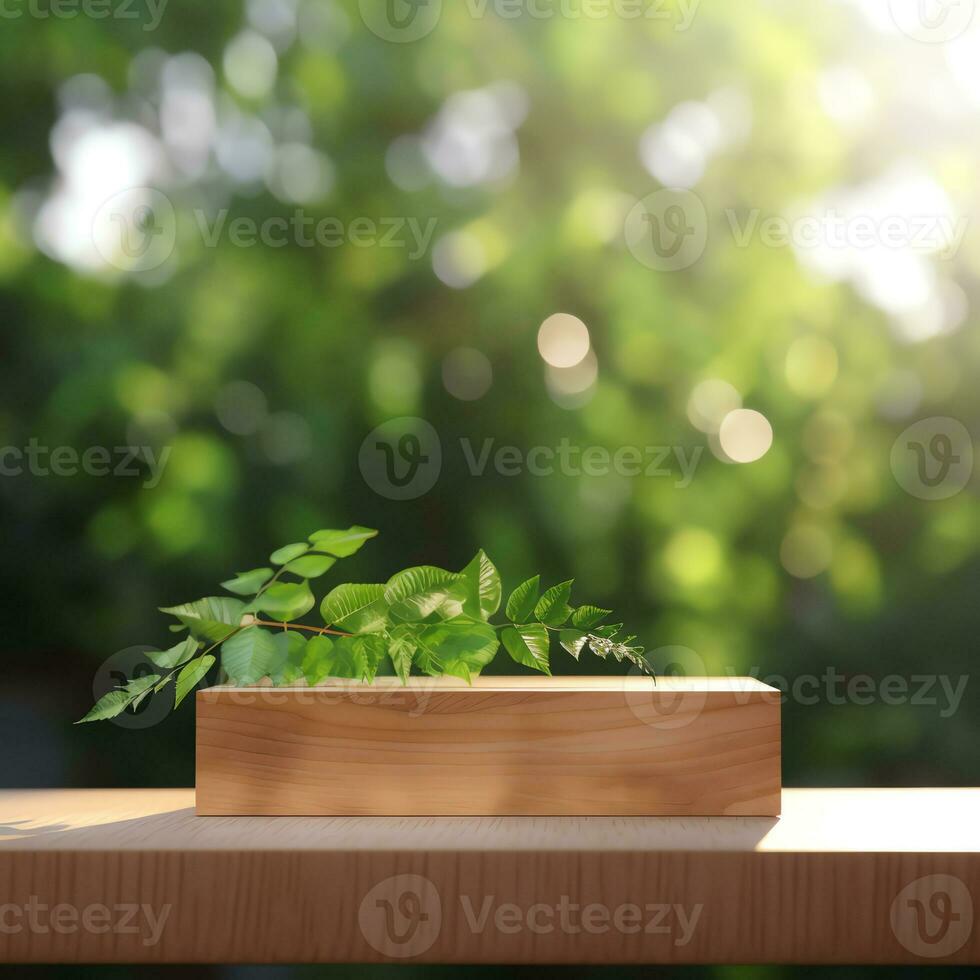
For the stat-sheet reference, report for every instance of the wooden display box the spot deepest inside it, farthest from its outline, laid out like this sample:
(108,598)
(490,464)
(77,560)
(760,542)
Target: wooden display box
(613,746)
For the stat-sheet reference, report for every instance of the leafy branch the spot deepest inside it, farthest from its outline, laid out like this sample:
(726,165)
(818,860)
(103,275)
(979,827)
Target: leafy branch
(425,619)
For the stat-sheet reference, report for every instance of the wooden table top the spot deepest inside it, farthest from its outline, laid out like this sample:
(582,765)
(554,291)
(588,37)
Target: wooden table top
(843,876)
(910,821)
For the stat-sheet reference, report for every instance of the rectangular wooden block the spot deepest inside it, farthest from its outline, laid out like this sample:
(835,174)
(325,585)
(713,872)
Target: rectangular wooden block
(537,746)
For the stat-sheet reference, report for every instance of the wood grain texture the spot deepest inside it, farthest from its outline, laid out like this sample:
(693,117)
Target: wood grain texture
(841,877)
(503,746)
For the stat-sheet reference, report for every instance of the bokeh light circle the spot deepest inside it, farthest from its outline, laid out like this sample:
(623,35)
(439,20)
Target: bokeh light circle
(745,435)
(563,340)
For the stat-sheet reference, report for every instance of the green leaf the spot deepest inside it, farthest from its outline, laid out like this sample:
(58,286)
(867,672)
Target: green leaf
(335,658)
(140,688)
(353,657)
(189,677)
(553,608)
(108,706)
(345,660)
(573,641)
(607,631)
(343,544)
(520,605)
(604,648)
(214,618)
(286,601)
(288,552)
(455,603)
(426,660)
(459,647)
(482,587)
(370,650)
(415,593)
(250,655)
(248,583)
(176,655)
(356,608)
(115,702)
(528,645)
(317,659)
(292,651)
(402,645)
(311,566)
(585,617)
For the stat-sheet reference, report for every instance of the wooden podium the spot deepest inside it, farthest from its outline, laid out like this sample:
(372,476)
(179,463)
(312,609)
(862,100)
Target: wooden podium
(505,746)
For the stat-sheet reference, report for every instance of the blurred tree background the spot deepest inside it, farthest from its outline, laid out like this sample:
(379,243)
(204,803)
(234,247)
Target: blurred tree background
(254,372)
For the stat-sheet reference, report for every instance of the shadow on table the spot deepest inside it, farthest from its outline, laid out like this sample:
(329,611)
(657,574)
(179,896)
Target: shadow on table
(180,828)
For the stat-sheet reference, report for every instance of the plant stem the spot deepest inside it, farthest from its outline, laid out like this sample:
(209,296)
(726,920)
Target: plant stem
(502,626)
(202,653)
(299,626)
(272,580)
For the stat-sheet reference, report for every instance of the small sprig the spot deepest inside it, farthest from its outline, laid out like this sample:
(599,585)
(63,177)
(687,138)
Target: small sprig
(424,619)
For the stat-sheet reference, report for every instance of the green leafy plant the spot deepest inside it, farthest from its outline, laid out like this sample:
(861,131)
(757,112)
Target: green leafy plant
(423,618)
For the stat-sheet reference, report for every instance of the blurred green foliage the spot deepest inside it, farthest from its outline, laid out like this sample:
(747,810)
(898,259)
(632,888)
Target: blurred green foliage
(338,340)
